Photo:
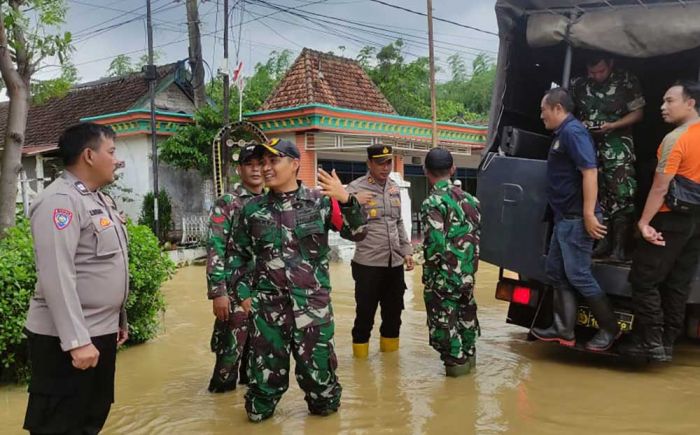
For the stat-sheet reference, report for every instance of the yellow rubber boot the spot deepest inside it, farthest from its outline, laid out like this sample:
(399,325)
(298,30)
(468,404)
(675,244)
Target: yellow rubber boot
(388,344)
(360,350)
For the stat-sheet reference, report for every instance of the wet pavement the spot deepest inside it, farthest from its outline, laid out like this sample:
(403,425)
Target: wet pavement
(519,387)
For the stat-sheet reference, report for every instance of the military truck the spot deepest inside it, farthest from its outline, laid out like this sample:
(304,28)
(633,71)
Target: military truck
(542,44)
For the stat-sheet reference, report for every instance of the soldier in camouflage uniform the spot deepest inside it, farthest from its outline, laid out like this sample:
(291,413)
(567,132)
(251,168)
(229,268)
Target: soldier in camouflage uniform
(285,231)
(609,102)
(229,339)
(451,221)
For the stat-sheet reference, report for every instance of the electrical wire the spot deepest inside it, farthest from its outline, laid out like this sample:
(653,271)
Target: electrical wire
(476,29)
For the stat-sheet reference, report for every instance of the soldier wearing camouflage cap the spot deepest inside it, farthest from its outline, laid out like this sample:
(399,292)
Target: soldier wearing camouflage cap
(229,338)
(285,233)
(609,102)
(451,220)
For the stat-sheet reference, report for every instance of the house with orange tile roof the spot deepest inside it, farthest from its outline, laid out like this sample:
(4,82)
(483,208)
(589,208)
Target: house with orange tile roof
(123,104)
(332,110)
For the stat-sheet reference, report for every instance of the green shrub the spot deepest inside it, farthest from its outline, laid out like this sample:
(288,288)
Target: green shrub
(149,267)
(164,214)
(17,279)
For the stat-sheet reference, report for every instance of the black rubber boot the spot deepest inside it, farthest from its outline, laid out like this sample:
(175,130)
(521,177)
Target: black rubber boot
(223,379)
(609,330)
(644,342)
(323,411)
(564,313)
(668,339)
(621,234)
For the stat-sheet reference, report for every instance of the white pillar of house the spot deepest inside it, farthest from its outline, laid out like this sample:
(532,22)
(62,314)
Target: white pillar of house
(39,166)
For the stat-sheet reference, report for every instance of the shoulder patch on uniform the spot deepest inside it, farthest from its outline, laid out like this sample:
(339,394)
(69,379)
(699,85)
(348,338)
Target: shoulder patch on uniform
(62,218)
(80,187)
(95,212)
(218,218)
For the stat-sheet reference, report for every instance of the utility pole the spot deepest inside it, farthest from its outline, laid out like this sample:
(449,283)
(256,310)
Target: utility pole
(150,73)
(433,102)
(224,140)
(195,52)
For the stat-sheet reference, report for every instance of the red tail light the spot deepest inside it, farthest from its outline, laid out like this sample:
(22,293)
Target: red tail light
(517,292)
(521,295)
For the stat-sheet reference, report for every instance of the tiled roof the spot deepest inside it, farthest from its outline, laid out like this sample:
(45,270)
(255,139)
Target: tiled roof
(320,78)
(45,122)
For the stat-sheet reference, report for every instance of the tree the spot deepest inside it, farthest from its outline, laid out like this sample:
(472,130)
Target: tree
(191,146)
(123,64)
(120,66)
(28,34)
(457,67)
(44,90)
(405,85)
(463,98)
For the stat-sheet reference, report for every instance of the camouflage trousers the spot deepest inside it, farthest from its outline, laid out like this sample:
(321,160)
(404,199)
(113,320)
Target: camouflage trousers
(452,324)
(617,184)
(268,365)
(228,341)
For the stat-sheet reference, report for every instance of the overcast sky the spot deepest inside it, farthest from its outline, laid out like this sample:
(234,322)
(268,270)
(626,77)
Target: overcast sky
(102,29)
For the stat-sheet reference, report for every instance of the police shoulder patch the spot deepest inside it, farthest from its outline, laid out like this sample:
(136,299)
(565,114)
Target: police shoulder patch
(80,187)
(62,218)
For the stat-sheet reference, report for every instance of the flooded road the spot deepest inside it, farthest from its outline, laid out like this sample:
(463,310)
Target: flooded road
(519,387)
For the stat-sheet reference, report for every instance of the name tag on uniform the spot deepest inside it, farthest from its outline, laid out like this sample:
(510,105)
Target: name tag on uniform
(96,212)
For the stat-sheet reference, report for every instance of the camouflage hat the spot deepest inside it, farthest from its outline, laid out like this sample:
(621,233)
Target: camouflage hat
(247,152)
(379,153)
(438,159)
(283,148)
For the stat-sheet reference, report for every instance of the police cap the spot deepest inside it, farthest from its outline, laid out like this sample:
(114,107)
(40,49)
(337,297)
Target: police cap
(379,153)
(282,148)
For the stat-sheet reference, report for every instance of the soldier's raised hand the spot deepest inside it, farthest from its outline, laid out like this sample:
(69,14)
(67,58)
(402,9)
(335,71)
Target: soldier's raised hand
(332,187)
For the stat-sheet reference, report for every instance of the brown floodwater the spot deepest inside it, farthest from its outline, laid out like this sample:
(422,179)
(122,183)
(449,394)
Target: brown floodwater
(518,387)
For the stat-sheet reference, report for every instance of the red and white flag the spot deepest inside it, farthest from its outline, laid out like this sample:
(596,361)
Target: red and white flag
(237,72)
(237,79)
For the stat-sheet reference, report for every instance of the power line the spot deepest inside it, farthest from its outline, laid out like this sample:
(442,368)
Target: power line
(380,29)
(354,36)
(476,29)
(89,35)
(109,8)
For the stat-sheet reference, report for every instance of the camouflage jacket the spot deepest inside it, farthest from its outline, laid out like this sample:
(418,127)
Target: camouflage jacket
(595,102)
(451,225)
(223,218)
(287,236)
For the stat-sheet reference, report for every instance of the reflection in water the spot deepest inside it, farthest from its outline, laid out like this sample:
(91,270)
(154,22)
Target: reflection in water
(518,387)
